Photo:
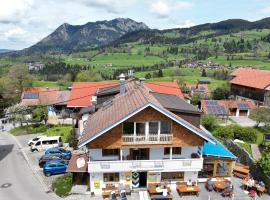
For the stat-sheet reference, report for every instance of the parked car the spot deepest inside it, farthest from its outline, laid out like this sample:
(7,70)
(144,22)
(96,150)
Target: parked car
(54,167)
(51,157)
(45,143)
(66,154)
(33,140)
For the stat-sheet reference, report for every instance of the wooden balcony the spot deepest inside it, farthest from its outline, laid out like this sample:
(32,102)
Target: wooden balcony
(191,164)
(147,139)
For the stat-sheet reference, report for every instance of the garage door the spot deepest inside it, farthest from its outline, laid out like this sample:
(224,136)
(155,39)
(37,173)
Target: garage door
(243,112)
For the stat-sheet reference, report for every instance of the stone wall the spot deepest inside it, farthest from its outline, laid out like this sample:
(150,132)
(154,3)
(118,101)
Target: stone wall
(246,159)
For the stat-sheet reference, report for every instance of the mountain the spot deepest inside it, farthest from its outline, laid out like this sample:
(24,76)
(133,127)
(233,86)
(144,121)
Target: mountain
(68,38)
(186,35)
(5,50)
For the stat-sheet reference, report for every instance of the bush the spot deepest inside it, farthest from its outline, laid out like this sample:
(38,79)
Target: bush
(224,132)
(237,132)
(209,122)
(62,185)
(264,163)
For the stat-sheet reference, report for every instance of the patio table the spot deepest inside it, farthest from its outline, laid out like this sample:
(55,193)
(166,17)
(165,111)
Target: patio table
(188,189)
(161,197)
(220,185)
(157,190)
(241,169)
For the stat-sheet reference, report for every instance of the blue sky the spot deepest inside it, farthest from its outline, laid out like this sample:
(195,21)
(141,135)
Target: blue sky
(25,22)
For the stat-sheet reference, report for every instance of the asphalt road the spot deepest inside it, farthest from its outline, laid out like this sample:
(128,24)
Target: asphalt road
(17,182)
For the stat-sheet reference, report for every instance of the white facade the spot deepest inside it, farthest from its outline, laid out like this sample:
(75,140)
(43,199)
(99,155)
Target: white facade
(157,164)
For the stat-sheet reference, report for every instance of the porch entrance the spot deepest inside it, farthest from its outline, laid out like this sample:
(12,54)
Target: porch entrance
(139,179)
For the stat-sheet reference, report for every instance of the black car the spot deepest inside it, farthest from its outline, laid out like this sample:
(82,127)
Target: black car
(51,157)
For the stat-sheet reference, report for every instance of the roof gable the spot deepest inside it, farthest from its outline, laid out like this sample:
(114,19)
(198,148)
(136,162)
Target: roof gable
(124,106)
(251,77)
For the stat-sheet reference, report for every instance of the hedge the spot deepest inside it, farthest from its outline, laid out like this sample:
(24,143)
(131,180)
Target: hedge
(246,134)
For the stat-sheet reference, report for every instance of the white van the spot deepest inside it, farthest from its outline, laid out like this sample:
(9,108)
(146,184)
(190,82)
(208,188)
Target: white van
(46,142)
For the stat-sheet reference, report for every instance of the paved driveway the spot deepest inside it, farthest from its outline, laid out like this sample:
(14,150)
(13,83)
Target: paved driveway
(243,121)
(17,181)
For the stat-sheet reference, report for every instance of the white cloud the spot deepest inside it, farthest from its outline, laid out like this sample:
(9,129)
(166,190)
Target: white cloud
(111,6)
(15,33)
(183,5)
(13,10)
(265,11)
(160,9)
(163,9)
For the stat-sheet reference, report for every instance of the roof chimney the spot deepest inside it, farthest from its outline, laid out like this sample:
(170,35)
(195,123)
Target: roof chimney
(122,83)
(141,80)
(94,102)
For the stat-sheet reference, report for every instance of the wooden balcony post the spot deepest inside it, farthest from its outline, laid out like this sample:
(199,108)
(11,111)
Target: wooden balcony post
(170,153)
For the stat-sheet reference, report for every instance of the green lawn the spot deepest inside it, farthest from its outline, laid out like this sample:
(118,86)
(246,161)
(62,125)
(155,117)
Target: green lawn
(63,131)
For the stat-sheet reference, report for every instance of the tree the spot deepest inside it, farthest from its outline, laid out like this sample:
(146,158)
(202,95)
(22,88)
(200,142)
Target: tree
(260,115)
(13,83)
(160,73)
(221,93)
(204,73)
(209,122)
(85,76)
(196,98)
(19,114)
(40,113)
(147,76)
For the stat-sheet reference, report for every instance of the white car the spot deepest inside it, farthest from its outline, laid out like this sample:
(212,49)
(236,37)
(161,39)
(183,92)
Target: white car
(33,140)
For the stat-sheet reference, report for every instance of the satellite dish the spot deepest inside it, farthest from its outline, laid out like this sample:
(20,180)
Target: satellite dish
(80,162)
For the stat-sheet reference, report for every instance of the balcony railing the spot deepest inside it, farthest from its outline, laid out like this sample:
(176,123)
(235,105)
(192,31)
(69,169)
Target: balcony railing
(192,164)
(147,139)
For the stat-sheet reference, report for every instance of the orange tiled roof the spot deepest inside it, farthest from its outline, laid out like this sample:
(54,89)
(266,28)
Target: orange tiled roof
(82,92)
(165,88)
(251,77)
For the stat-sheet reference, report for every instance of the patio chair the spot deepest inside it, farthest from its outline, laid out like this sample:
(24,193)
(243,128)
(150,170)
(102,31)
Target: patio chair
(123,195)
(128,189)
(227,192)
(209,185)
(112,195)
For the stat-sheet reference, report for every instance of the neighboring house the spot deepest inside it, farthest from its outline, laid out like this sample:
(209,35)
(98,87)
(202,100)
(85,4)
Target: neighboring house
(86,95)
(189,90)
(141,136)
(225,108)
(35,66)
(250,83)
(52,97)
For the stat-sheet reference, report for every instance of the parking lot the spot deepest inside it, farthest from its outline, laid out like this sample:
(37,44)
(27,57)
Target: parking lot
(34,157)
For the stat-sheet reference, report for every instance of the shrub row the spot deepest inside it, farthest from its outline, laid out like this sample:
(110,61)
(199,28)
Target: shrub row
(246,134)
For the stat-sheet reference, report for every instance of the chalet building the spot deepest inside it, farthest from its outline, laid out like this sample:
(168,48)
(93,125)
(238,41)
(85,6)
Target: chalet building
(250,83)
(141,136)
(225,108)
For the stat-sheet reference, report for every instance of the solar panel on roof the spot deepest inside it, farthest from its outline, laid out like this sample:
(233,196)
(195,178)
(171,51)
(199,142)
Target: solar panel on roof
(243,106)
(30,96)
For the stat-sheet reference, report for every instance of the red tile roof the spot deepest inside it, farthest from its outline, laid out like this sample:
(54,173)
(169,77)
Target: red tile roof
(228,104)
(46,96)
(135,99)
(165,88)
(82,92)
(251,77)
